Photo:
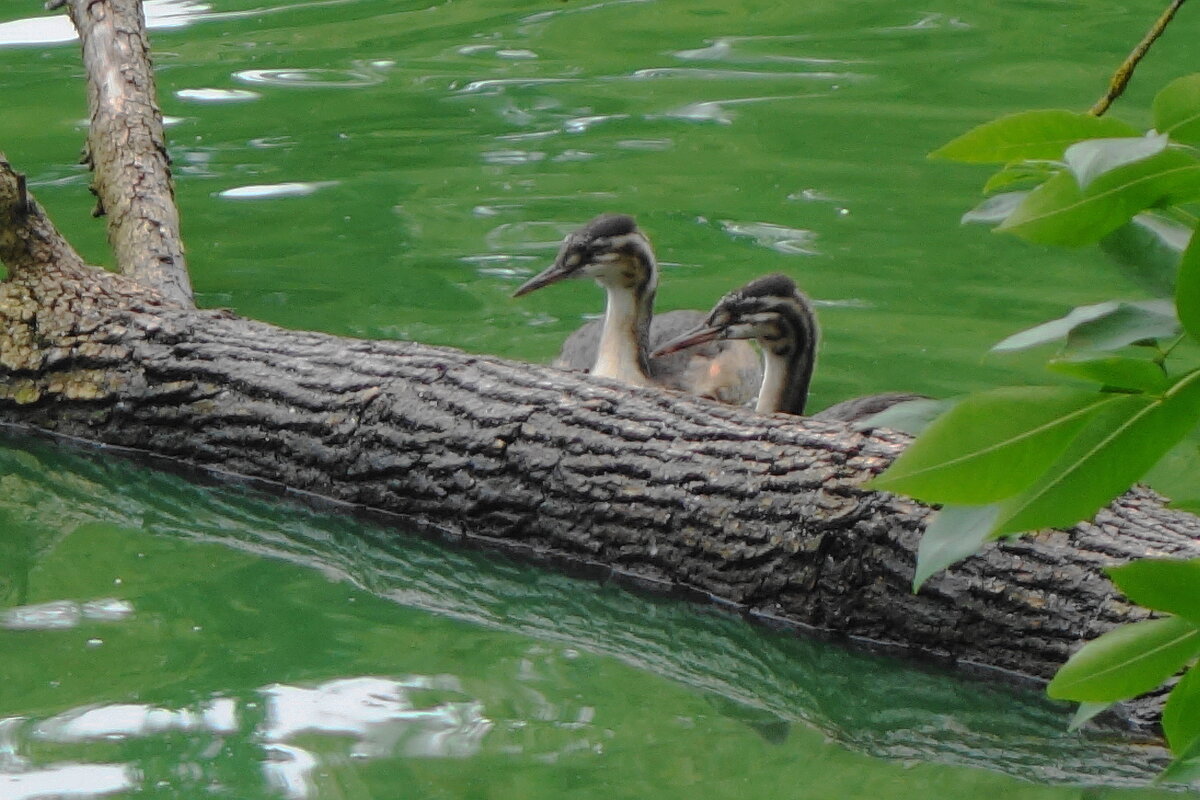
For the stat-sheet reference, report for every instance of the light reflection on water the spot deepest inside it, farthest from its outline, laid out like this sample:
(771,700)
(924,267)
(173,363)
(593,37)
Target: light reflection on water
(57,29)
(309,78)
(67,780)
(131,720)
(456,171)
(63,614)
(407,717)
(262,191)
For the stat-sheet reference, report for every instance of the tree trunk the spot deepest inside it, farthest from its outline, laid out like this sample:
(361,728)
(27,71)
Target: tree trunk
(767,514)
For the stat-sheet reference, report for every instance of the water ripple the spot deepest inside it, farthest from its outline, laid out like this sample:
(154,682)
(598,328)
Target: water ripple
(309,78)
(57,29)
(62,614)
(381,715)
(645,144)
(496,85)
(542,16)
(793,241)
(737,74)
(726,48)
(528,235)
(513,156)
(715,111)
(933,21)
(67,780)
(217,95)
(136,720)
(266,191)
(582,124)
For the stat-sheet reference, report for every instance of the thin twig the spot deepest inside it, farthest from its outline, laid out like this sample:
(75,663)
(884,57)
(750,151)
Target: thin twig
(1124,73)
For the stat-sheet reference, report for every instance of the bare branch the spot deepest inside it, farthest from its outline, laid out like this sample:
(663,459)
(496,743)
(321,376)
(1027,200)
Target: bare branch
(127,147)
(1124,73)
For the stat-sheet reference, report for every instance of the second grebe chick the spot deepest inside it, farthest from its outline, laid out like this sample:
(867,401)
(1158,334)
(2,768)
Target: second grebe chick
(780,317)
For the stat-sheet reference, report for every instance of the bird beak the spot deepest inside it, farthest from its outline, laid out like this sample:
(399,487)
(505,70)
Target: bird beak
(551,274)
(699,336)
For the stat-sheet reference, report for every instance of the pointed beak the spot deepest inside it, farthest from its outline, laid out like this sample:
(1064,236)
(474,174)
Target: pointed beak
(551,274)
(701,335)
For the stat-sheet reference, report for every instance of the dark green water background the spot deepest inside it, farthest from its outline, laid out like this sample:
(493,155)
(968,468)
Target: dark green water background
(419,162)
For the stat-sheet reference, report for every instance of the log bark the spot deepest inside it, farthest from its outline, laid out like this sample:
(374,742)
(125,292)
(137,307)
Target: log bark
(767,515)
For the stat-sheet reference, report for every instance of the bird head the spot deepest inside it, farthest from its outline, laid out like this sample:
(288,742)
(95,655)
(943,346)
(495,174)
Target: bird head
(769,309)
(609,249)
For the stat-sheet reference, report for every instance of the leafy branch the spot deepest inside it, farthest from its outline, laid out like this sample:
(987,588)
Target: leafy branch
(1018,459)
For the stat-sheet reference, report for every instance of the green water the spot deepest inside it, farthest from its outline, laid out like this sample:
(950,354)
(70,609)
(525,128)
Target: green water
(210,642)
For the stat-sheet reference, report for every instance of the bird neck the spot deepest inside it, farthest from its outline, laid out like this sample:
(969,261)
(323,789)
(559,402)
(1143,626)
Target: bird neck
(785,383)
(625,335)
(788,368)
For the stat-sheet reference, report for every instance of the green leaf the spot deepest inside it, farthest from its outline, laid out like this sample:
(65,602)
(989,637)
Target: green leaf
(992,444)
(1021,174)
(953,533)
(1177,475)
(1118,444)
(1114,371)
(1148,248)
(1185,768)
(1090,159)
(1055,329)
(1126,324)
(1187,289)
(1103,326)
(1177,109)
(911,417)
(1060,212)
(1029,135)
(1127,661)
(1162,584)
(1181,715)
(995,209)
(1086,712)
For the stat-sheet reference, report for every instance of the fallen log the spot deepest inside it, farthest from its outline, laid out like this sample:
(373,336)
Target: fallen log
(768,515)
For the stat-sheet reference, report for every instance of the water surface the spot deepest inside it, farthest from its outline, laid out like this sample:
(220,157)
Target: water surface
(394,169)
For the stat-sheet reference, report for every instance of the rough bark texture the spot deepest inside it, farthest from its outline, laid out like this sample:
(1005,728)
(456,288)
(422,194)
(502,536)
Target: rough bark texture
(29,242)
(126,147)
(764,513)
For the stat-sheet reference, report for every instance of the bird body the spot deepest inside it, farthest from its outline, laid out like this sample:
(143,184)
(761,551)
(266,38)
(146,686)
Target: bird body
(722,373)
(617,255)
(772,311)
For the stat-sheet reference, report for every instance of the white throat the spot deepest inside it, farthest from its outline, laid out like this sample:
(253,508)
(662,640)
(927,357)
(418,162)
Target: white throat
(774,383)
(617,356)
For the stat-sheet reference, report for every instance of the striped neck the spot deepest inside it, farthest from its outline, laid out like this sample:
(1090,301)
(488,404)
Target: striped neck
(789,360)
